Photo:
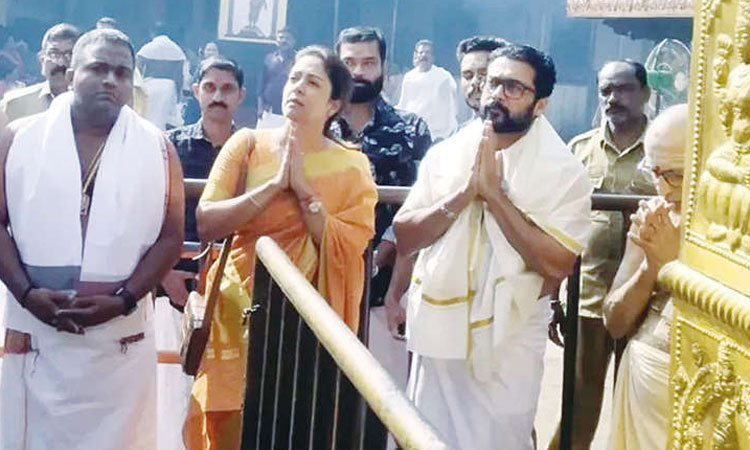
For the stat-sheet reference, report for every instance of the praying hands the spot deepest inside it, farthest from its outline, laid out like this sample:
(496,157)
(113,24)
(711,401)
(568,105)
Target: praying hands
(655,231)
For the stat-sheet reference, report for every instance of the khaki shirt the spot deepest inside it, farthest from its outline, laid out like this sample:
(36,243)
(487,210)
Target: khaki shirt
(615,172)
(27,101)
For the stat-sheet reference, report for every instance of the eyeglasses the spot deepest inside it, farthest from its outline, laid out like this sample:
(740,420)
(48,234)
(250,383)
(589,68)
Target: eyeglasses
(671,177)
(512,89)
(58,55)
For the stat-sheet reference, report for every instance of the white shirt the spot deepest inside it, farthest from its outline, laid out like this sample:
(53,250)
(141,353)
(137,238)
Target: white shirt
(432,96)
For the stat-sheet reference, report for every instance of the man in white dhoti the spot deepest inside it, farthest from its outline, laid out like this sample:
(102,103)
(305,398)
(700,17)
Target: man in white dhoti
(637,306)
(498,214)
(91,215)
(429,91)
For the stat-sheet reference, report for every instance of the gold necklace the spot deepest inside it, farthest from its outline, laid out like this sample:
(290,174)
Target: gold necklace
(86,191)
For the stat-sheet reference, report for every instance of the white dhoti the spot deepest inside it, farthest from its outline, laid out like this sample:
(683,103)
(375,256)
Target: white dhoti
(83,391)
(96,390)
(475,315)
(640,409)
(494,414)
(173,385)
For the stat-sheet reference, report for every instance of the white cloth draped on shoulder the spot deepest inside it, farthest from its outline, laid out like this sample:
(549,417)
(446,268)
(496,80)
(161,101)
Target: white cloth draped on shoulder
(43,179)
(471,287)
(95,390)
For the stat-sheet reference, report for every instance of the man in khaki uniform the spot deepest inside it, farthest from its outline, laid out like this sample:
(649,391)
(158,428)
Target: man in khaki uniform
(54,57)
(611,154)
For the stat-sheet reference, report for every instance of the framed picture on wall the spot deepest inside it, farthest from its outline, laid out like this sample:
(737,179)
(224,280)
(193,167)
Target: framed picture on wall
(251,20)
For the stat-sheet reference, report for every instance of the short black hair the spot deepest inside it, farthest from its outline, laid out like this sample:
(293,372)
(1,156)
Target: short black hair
(361,34)
(478,44)
(221,63)
(544,68)
(638,70)
(109,35)
(60,32)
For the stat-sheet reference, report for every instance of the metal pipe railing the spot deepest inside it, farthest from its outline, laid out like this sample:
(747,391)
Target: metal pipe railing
(607,202)
(275,271)
(396,195)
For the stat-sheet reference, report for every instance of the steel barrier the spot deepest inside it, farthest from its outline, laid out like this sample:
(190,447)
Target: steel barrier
(396,195)
(307,372)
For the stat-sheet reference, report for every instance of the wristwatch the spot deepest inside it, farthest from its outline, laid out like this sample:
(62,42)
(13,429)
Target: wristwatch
(128,299)
(313,205)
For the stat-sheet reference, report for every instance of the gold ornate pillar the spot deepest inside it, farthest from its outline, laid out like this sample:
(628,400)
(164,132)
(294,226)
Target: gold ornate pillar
(710,371)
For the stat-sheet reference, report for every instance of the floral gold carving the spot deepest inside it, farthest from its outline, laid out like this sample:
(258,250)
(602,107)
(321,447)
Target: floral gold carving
(716,204)
(710,283)
(630,8)
(708,392)
(724,186)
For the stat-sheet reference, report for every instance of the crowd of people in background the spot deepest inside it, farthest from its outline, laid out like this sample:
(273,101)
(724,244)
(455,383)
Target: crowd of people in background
(472,263)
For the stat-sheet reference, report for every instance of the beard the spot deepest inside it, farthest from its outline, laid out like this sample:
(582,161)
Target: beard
(503,121)
(366,91)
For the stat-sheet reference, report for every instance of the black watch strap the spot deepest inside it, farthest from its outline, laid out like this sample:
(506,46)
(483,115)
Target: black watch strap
(128,299)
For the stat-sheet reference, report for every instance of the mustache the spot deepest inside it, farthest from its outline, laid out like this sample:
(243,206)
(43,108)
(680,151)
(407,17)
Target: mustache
(497,106)
(58,69)
(614,107)
(221,104)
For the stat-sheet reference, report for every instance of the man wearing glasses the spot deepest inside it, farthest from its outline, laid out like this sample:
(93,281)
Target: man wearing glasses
(498,214)
(54,57)
(612,154)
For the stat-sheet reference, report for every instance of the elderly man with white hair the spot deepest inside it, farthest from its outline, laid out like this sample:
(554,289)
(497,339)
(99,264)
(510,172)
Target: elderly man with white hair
(641,403)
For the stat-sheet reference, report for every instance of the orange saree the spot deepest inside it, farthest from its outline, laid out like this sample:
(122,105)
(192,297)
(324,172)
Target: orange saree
(343,182)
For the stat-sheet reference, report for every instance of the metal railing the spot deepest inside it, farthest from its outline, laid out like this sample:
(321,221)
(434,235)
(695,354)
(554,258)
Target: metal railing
(385,399)
(606,202)
(307,372)
(626,204)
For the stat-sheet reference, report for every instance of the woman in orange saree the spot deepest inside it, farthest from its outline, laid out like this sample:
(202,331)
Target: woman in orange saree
(314,197)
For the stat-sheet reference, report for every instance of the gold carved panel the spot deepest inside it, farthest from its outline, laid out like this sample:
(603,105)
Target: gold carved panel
(630,8)
(710,283)
(710,369)
(717,210)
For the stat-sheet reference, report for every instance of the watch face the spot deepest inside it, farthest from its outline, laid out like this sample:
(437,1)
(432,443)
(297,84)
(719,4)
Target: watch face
(314,207)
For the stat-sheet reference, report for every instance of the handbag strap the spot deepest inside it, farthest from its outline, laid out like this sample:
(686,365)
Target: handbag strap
(226,246)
